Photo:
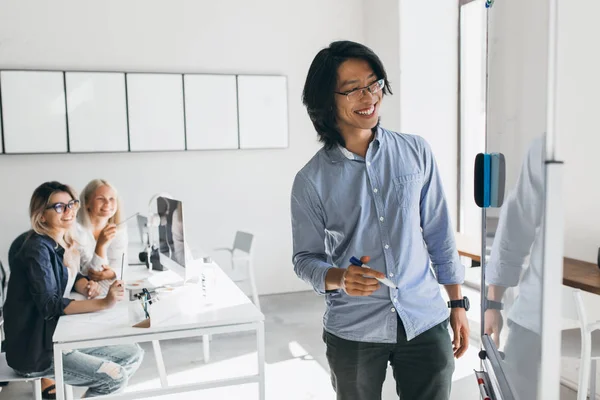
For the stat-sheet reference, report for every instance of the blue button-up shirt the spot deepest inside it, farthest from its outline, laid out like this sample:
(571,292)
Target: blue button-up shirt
(389,206)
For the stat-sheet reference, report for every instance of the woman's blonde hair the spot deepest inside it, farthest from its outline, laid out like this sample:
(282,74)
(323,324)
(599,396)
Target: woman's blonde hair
(86,197)
(40,200)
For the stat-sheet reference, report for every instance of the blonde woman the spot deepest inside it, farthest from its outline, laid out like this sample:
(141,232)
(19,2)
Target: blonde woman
(37,297)
(102,242)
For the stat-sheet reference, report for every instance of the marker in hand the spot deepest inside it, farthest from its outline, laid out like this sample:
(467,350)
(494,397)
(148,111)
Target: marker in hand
(385,281)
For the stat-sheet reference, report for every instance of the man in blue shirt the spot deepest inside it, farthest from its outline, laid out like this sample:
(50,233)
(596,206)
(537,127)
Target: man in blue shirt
(375,194)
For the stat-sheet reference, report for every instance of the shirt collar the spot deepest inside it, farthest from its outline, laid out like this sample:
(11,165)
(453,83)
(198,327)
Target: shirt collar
(340,153)
(346,153)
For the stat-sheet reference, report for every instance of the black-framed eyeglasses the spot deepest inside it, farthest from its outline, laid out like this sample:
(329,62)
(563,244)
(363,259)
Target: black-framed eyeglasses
(358,93)
(61,207)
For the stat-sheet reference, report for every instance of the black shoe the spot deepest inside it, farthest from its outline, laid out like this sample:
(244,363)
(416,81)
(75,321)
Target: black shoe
(46,393)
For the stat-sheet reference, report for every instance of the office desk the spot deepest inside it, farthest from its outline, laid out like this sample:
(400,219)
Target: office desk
(581,275)
(576,274)
(230,311)
(468,247)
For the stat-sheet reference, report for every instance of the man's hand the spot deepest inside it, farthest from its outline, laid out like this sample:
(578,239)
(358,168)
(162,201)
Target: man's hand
(106,273)
(354,280)
(460,327)
(493,325)
(359,281)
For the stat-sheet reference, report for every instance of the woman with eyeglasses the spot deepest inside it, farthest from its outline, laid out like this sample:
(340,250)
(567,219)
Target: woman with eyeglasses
(103,244)
(44,264)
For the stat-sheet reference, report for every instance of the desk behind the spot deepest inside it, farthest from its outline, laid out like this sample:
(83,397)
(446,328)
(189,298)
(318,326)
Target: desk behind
(468,247)
(576,274)
(581,275)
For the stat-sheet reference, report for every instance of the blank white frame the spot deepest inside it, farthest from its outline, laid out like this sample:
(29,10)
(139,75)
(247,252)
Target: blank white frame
(211,112)
(263,112)
(156,114)
(34,112)
(97,112)
(1,137)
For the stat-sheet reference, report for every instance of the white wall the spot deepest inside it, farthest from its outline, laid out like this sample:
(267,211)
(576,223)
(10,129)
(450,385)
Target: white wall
(382,35)
(579,125)
(579,129)
(223,191)
(429,82)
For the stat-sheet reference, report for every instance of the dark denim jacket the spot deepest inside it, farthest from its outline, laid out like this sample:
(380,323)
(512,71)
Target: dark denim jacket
(34,301)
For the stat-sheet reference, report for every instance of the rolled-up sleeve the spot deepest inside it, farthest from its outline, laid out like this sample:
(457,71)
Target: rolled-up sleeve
(43,286)
(308,231)
(93,262)
(436,224)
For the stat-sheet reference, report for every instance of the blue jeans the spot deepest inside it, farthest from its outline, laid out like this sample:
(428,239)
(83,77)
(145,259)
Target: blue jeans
(103,370)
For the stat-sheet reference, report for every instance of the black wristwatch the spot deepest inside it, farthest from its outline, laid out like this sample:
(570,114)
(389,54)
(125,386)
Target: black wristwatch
(463,303)
(493,305)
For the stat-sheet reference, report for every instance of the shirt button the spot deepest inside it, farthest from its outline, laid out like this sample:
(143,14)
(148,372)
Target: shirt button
(391,274)
(381,219)
(393,309)
(368,163)
(387,246)
(375,190)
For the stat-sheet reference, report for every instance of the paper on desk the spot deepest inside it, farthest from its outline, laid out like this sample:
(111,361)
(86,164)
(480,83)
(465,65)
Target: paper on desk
(107,317)
(163,278)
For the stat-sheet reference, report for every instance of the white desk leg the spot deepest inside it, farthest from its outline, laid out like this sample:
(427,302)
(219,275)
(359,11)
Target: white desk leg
(68,392)
(260,343)
(37,389)
(206,347)
(58,374)
(160,364)
(593,379)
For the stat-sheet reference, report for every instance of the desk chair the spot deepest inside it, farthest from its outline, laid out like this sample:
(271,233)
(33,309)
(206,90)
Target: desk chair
(7,374)
(241,253)
(582,343)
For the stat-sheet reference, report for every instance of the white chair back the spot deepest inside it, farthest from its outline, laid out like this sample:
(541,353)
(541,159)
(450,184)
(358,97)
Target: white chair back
(573,307)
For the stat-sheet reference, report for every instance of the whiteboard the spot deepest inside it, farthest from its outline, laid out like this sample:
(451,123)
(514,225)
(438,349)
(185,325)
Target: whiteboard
(34,116)
(1,138)
(263,111)
(97,112)
(155,103)
(211,112)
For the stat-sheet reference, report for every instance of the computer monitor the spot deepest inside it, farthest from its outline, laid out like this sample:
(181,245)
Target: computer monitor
(173,250)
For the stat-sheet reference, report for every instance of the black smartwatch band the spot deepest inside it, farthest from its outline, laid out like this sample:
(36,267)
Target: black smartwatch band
(462,303)
(493,305)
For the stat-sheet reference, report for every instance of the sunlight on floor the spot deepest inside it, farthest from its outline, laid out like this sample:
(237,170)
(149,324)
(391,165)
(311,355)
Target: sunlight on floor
(298,378)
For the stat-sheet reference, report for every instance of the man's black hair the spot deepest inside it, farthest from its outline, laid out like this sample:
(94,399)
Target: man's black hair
(321,81)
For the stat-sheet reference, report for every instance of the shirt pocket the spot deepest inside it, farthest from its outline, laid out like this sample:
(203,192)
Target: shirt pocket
(408,189)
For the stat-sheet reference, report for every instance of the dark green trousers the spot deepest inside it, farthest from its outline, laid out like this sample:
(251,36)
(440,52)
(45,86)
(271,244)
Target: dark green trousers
(422,367)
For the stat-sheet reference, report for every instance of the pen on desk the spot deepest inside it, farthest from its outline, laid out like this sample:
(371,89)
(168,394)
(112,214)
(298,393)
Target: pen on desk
(385,281)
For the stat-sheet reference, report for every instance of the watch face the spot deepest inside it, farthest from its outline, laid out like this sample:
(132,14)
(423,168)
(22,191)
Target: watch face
(467,304)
